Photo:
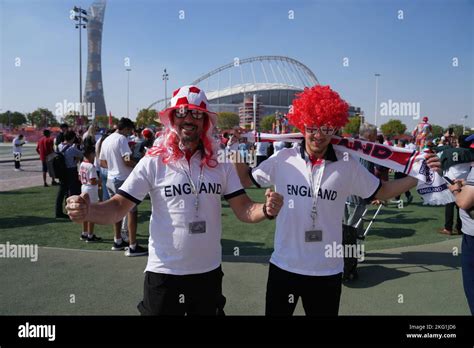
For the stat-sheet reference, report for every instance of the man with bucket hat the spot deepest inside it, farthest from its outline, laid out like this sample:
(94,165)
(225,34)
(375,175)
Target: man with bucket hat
(185,182)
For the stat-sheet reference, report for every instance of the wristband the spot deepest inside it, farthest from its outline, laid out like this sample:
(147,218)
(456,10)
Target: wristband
(265,212)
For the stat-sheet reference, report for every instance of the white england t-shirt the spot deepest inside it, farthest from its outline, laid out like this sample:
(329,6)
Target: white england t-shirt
(289,172)
(18,145)
(467,222)
(87,172)
(171,248)
(113,149)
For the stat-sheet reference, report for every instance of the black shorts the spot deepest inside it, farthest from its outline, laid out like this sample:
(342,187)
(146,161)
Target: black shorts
(45,166)
(320,294)
(193,294)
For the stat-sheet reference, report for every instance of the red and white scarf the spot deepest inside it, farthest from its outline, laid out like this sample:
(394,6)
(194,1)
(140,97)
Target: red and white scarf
(431,186)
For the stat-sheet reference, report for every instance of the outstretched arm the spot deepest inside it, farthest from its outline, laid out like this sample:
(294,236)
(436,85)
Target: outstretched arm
(80,209)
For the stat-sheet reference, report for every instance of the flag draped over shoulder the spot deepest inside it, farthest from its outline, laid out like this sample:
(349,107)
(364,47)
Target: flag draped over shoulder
(431,186)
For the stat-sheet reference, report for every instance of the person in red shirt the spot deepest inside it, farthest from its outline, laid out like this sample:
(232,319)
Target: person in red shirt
(45,148)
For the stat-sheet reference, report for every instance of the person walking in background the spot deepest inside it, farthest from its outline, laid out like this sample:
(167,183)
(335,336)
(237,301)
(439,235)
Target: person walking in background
(18,143)
(147,143)
(45,148)
(88,138)
(102,171)
(261,151)
(243,150)
(456,165)
(116,156)
(69,183)
(60,137)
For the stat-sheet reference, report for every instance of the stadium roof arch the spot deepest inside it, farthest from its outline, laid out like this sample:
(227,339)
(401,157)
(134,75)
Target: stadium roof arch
(251,75)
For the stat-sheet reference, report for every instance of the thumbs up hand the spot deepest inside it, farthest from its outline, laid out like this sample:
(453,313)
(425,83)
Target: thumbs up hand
(78,207)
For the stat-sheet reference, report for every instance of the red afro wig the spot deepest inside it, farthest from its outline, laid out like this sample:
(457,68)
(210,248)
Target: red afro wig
(318,106)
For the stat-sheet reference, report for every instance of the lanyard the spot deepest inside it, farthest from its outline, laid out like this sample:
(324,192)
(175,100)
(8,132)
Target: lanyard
(194,189)
(315,190)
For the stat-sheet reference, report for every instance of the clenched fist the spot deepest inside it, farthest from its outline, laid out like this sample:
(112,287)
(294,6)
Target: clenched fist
(78,207)
(273,203)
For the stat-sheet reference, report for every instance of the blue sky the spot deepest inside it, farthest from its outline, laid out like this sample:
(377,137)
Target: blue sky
(413,55)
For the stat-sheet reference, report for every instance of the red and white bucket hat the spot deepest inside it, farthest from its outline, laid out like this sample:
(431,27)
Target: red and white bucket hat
(191,97)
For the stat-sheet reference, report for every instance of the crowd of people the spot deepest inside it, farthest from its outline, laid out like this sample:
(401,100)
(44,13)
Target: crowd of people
(107,174)
(96,163)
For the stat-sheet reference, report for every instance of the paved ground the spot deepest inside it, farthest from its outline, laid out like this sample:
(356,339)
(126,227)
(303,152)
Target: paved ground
(29,152)
(108,283)
(11,180)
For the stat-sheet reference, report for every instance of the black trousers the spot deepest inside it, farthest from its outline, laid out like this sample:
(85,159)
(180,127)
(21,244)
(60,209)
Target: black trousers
(68,186)
(260,159)
(449,217)
(320,294)
(17,159)
(193,294)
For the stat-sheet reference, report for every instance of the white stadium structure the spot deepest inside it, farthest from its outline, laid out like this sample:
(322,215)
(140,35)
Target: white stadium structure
(272,81)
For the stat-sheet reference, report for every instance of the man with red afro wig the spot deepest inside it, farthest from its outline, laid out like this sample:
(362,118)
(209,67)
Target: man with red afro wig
(315,179)
(185,183)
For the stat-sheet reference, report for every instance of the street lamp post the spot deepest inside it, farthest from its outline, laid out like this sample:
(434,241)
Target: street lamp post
(128,91)
(79,15)
(166,78)
(376,92)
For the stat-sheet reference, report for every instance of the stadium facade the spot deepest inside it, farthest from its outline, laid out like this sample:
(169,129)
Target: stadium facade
(94,91)
(264,85)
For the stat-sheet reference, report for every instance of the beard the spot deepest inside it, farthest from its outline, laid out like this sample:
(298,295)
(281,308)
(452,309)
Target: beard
(189,137)
(186,139)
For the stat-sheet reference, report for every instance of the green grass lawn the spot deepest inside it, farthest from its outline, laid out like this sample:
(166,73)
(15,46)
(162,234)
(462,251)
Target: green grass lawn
(27,217)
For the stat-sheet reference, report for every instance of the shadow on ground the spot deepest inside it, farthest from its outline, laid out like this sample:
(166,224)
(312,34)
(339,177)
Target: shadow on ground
(22,221)
(402,216)
(392,233)
(372,272)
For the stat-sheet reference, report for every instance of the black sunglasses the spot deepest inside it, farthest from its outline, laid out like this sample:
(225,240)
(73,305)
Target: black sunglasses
(183,112)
